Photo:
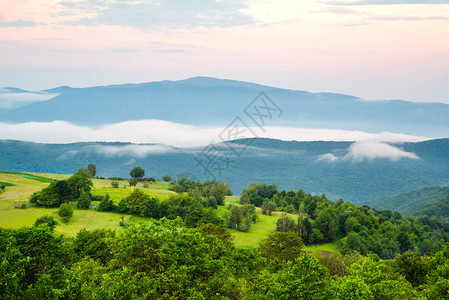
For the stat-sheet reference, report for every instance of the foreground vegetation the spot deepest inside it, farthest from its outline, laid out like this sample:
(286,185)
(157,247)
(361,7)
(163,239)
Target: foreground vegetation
(141,239)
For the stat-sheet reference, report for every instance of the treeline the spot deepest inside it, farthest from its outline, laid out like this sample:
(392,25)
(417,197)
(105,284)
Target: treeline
(192,211)
(355,228)
(63,191)
(167,260)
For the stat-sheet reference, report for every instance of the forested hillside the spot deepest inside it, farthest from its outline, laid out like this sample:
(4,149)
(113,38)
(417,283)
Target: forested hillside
(333,168)
(410,202)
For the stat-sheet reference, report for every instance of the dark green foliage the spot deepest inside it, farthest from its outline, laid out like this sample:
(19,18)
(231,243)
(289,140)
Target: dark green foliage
(303,278)
(114,183)
(285,224)
(411,202)
(84,200)
(285,246)
(439,210)
(54,195)
(132,182)
(31,256)
(137,172)
(79,183)
(257,193)
(65,211)
(239,217)
(106,204)
(95,244)
(46,221)
(92,168)
(122,206)
(167,178)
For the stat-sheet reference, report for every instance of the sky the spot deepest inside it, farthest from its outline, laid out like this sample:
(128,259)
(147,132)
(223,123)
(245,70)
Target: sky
(373,49)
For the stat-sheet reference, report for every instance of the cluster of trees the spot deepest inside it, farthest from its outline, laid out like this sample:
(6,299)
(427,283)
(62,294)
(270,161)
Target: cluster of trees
(210,191)
(240,217)
(139,203)
(76,187)
(165,260)
(356,228)
(269,199)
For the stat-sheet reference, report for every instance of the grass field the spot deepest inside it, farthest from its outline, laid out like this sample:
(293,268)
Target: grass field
(22,185)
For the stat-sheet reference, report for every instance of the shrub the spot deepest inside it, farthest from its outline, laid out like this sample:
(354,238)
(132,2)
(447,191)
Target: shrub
(65,211)
(46,220)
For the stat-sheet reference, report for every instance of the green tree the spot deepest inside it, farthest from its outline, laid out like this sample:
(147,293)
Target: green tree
(78,184)
(132,182)
(303,278)
(285,224)
(137,172)
(167,178)
(282,245)
(106,204)
(47,221)
(92,169)
(114,184)
(65,211)
(95,244)
(84,200)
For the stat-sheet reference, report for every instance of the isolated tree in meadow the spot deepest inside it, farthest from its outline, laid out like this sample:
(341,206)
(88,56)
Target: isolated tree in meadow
(114,183)
(137,172)
(167,178)
(92,169)
(65,211)
(132,182)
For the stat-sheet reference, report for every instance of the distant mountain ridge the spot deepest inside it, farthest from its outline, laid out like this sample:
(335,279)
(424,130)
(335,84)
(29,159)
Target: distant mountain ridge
(289,164)
(204,101)
(410,203)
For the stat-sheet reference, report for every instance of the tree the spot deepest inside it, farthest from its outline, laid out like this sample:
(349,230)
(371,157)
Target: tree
(167,178)
(65,211)
(92,169)
(79,183)
(285,224)
(106,204)
(84,200)
(303,278)
(137,172)
(132,182)
(114,183)
(282,245)
(47,221)
(2,186)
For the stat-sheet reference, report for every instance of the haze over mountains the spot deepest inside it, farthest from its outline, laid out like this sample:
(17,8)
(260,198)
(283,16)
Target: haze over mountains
(385,147)
(206,102)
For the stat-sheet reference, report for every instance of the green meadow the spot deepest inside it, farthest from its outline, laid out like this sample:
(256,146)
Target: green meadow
(19,187)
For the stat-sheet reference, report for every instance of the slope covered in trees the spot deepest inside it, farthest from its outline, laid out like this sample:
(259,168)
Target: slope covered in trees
(410,202)
(288,164)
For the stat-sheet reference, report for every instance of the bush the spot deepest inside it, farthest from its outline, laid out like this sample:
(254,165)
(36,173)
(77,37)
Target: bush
(114,183)
(146,185)
(23,206)
(84,201)
(46,220)
(65,211)
(167,178)
(106,204)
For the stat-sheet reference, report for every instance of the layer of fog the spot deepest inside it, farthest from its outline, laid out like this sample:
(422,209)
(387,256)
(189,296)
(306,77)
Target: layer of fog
(181,135)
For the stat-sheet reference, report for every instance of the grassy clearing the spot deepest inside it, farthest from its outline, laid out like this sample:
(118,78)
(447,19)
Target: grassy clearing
(24,186)
(30,176)
(117,194)
(329,247)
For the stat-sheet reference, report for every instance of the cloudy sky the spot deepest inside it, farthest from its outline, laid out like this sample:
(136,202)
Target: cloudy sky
(374,49)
